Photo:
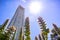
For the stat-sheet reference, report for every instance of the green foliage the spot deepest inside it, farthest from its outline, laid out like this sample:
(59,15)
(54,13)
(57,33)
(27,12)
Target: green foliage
(20,37)
(56,29)
(3,25)
(27,38)
(36,38)
(4,36)
(55,32)
(44,30)
(27,29)
(13,36)
(39,37)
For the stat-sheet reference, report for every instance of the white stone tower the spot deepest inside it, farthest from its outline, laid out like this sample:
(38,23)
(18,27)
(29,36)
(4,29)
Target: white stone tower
(17,21)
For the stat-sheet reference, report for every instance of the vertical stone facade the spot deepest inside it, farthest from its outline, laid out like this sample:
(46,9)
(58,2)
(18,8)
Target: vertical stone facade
(17,21)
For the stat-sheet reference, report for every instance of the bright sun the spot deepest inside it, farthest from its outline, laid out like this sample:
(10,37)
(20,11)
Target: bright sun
(35,7)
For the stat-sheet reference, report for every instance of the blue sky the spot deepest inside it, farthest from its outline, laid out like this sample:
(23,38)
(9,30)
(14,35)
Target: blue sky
(50,13)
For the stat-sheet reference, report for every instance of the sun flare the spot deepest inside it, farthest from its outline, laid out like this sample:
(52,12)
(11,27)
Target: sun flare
(35,7)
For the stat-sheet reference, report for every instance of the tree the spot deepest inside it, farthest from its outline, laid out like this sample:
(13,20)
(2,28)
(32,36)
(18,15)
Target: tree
(55,32)
(23,37)
(39,37)
(0,25)
(2,35)
(6,35)
(27,29)
(36,38)
(4,24)
(44,30)
(56,29)
(20,37)
(12,31)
